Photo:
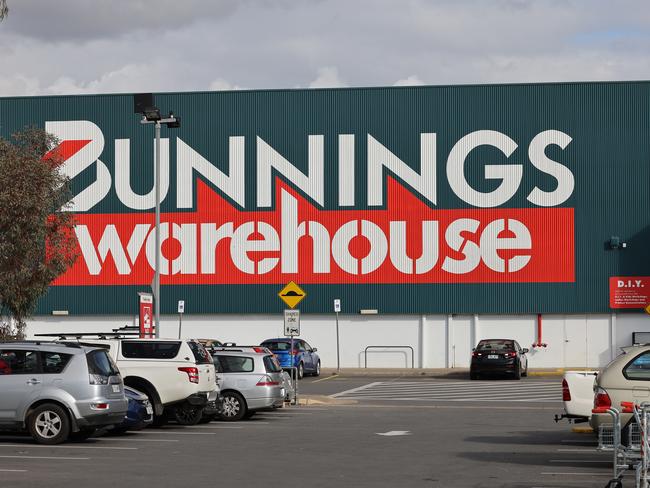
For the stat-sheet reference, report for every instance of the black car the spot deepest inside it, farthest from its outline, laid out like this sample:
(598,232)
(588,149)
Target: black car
(499,356)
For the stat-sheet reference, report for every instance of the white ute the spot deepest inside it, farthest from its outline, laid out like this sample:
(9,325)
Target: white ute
(577,395)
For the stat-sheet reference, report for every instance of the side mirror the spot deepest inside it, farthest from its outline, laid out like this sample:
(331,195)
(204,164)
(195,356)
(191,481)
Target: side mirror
(524,350)
(314,349)
(473,349)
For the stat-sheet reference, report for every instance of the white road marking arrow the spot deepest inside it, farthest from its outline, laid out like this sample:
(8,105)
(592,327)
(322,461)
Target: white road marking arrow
(395,432)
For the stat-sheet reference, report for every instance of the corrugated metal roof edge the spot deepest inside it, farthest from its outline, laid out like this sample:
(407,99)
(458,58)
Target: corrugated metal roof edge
(360,88)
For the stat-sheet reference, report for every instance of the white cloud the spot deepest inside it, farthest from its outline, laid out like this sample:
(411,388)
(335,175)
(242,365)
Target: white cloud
(166,45)
(412,80)
(328,77)
(222,85)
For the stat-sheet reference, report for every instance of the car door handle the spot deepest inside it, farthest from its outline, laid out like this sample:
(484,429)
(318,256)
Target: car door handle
(33,381)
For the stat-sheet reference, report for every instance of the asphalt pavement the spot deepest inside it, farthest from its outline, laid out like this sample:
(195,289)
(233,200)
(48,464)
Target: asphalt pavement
(420,440)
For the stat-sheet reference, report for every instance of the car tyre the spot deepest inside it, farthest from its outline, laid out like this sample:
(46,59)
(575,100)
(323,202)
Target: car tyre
(525,372)
(49,424)
(317,371)
(473,376)
(188,414)
(250,414)
(301,370)
(82,435)
(518,372)
(233,407)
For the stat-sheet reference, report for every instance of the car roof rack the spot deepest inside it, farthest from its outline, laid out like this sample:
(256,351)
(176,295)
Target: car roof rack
(46,343)
(80,335)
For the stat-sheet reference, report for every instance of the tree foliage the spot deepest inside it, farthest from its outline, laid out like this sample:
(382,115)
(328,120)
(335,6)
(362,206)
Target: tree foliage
(4,10)
(36,233)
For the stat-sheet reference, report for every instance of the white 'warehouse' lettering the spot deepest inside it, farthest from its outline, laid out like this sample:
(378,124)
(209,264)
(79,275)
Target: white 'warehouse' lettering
(269,162)
(205,239)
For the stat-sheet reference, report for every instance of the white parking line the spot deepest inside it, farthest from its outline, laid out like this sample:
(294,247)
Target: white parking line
(215,426)
(579,441)
(131,439)
(590,451)
(608,461)
(354,390)
(153,432)
(13,470)
(37,446)
(58,458)
(564,473)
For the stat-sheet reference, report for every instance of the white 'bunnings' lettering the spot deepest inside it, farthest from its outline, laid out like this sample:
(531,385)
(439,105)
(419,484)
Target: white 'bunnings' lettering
(269,163)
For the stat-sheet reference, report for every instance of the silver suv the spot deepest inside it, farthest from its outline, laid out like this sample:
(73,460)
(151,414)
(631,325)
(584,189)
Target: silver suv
(58,391)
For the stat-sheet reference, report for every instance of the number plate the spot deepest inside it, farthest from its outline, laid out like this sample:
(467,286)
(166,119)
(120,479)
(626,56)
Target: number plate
(493,356)
(116,388)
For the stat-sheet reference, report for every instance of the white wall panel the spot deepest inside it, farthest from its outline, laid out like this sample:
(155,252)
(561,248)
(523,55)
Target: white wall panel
(434,345)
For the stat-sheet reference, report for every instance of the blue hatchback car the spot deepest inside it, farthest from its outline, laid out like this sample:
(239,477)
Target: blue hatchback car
(139,414)
(305,358)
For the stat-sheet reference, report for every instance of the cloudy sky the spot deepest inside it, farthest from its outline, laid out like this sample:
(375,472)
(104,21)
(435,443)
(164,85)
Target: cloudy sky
(112,46)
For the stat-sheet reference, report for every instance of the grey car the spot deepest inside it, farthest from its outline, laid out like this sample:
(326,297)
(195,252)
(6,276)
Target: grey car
(249,382)
(58,391)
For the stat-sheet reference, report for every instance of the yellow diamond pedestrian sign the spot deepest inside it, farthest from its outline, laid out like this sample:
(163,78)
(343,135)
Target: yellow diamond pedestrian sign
(292,294)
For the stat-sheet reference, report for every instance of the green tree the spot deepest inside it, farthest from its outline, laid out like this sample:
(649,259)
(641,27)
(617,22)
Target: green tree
(37,241)
(4,10)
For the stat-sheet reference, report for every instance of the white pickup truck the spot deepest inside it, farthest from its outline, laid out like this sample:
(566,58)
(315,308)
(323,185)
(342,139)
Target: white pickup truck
(577,395)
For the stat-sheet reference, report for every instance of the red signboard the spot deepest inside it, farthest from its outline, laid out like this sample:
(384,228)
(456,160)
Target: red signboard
(146,315)
(629,291)
(406,242)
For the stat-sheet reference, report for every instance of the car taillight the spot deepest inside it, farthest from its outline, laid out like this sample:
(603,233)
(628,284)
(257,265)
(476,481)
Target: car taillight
(510,354)
(566,394)
(259,349)
(97,379)
(475,354)
(601,400)
(192,373)
(267,381)
(99,406)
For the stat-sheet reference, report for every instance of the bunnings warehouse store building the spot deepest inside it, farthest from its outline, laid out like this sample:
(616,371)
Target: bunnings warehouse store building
(437,215)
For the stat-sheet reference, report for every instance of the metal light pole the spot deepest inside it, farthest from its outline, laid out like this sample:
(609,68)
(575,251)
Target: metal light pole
(144,104)
(156,276)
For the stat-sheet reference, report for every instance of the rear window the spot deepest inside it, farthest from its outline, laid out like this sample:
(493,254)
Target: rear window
(101,364)
(639,368)
(496,345)
(150,350)
(235,364)
(279,345)
(200,354)
(271,364)
(54,362)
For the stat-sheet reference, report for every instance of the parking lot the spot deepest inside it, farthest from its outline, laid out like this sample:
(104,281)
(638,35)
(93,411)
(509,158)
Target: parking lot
(362,431)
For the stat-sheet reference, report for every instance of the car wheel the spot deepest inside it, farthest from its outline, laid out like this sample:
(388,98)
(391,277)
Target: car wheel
(49,424)
(525,372)
(301,370)
(317,372)
(82,435)
(233,407)
(518,372)
(188,414)
(473,376)
(160,420)
(249,414)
